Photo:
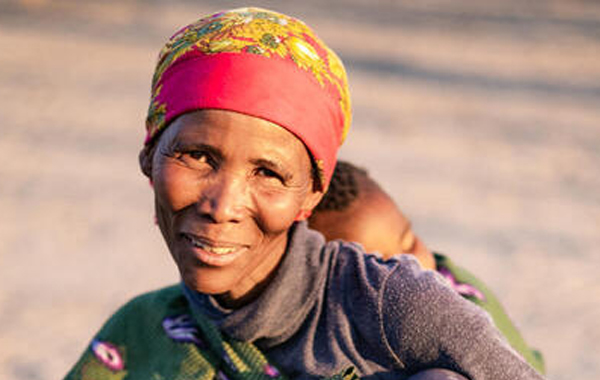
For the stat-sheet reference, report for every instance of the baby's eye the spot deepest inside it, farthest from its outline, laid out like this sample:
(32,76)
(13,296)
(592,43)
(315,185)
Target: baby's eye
(408,242)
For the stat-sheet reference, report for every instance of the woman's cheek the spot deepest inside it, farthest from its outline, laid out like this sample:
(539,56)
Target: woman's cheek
(175,187)
(277,211)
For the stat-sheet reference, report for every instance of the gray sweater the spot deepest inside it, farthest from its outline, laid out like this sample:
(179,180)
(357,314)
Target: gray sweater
(330,306)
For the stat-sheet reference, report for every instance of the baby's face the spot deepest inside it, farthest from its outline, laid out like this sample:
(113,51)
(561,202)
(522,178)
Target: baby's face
(374,221)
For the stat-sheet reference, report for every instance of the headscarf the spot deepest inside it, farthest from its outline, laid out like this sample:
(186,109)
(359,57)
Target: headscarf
(259,63)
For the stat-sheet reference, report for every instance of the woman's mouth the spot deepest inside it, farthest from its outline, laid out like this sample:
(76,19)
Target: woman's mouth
(213,253)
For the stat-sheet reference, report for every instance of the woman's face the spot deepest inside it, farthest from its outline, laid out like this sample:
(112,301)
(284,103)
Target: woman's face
(227,188)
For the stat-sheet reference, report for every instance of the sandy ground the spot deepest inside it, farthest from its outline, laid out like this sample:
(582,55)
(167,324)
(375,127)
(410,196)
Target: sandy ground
(481,117)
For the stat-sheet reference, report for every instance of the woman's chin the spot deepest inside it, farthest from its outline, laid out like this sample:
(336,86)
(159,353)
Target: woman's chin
(206,284)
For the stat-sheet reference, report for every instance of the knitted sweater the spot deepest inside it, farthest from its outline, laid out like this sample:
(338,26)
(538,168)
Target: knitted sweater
(328,307)
(474,290)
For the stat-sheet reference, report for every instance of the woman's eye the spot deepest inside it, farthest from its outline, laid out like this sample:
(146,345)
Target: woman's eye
(196,159)
(199,156)
(270,174)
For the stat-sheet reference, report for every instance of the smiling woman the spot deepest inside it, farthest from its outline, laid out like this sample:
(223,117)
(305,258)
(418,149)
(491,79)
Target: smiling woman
(248,110)
(228,187)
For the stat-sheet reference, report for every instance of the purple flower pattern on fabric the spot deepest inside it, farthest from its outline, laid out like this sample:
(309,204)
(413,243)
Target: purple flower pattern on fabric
(182,328)
(461,288)
(271,371)
(108,355)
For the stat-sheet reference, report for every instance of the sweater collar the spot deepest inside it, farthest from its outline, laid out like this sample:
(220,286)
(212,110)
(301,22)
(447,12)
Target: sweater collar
(282,307)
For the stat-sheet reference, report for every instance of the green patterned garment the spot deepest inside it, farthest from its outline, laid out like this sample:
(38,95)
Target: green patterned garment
(473,289)
(156,337)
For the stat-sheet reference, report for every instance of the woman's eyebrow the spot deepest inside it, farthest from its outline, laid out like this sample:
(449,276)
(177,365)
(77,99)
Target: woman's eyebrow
(181,144)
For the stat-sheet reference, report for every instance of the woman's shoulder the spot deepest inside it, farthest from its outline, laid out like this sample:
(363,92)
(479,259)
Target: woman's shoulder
(356,275)
(350,259)
(146,309)
(398,285)
(132,336)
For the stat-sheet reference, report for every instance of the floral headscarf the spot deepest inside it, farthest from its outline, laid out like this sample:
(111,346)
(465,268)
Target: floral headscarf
(259,63)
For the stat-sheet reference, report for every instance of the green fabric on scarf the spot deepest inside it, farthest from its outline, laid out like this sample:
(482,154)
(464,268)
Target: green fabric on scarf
(156,337)
(492,305)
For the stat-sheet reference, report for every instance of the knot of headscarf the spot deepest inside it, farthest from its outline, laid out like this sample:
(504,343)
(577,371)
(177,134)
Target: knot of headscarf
(259,63)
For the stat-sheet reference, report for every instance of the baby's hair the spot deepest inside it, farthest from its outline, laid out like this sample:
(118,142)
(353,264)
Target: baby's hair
(343,188)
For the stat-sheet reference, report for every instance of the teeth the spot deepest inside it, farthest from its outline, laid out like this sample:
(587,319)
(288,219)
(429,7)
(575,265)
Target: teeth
(219,250)
(211,249)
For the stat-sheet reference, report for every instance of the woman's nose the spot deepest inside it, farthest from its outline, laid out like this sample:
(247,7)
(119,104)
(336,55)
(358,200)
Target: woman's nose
(224,199)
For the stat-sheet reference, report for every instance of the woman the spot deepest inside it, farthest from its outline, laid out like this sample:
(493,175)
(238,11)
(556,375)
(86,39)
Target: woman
(248,110)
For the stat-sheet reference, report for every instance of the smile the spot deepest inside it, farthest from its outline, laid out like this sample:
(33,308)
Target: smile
(212,253)
(209,248)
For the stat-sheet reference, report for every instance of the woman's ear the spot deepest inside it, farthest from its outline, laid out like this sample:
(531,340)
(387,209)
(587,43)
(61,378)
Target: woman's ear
(311,201)
(145,159)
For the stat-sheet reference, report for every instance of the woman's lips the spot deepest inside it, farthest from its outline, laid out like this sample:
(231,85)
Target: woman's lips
(214,253)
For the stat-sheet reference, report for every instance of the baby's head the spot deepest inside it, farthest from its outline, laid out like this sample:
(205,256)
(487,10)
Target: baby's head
(356,209)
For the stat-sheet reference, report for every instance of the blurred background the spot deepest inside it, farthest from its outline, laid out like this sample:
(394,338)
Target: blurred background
(482,118)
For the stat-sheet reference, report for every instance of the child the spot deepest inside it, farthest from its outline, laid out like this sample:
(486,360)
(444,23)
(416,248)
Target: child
(355,208)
